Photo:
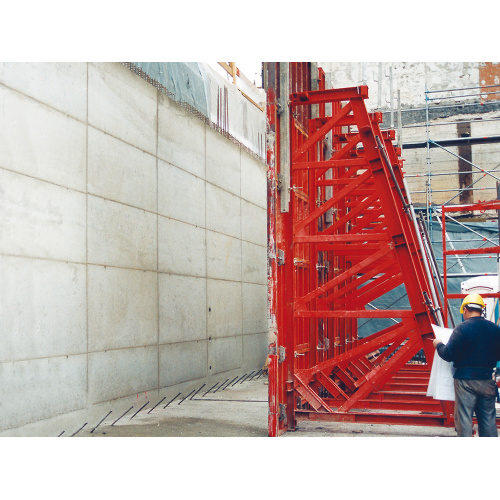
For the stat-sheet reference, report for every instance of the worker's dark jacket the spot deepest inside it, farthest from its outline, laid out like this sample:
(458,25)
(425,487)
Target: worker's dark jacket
(474,348)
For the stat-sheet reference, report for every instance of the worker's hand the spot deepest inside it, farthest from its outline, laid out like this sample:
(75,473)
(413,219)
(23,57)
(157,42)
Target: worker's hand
(435,342)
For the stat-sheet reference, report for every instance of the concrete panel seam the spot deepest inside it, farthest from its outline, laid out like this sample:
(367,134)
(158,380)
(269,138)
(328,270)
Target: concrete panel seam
(41,180)
(208,367)
(52,356)
(212,183)
(48,259)
(197,341)
(44,104)
(211,230)
(158,305)
(87,237)
(124,348)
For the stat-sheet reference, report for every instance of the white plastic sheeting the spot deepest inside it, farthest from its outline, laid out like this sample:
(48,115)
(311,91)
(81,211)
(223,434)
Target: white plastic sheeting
(441,379)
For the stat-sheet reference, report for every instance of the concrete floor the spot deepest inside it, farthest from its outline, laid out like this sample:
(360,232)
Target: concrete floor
(238,411)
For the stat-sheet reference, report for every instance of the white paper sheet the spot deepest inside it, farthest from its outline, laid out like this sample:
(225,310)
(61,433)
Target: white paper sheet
(441,385)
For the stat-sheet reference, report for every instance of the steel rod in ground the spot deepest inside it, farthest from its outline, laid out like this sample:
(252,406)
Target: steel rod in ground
(61,434)
(253,376)
(210,389)
(92,431)
(197,391)
(247,377)
(121,416)
(263,371)
(79,429)
(241,380)
(221,385)
(156,405)
(238,380)
(185,397)
(171,400)
(230,383)
(147,402)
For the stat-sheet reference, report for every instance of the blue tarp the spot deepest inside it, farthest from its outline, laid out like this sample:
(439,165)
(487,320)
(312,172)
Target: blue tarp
(186,80)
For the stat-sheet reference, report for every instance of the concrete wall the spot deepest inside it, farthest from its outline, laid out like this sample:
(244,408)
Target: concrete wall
(132,247)
(410,78)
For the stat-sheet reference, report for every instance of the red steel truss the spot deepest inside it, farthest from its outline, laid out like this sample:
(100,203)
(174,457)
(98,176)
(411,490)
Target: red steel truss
(347,237)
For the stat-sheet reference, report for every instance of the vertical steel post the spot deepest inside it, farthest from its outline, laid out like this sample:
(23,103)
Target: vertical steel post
(284,136)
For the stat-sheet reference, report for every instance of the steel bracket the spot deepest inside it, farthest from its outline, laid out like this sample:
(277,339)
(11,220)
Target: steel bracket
(282,416)
(281,257)
(280,182)
(324,346)
(281,105)
(282,354)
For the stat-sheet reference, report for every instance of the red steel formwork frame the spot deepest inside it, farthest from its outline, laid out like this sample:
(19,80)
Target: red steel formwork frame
(348,237)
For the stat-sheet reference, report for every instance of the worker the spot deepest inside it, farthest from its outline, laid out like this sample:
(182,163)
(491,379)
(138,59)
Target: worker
(474,348)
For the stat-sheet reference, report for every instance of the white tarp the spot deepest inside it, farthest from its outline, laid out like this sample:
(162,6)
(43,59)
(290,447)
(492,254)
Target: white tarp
(441,380)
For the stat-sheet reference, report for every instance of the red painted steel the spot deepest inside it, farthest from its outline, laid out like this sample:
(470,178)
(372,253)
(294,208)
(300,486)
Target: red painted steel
(348,239)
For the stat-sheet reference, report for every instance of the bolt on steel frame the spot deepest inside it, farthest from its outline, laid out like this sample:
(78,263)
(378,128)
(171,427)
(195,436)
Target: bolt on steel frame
(347,237)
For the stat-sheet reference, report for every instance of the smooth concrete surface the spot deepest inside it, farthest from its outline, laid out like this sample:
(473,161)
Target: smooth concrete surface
(37,389)
(183,362)
(117,373)
(125,267)
(225,353)
(186,242)
(254,298)
(181,137)
(223,211)
(55,153)
(224,171)
(34,325)
(122,105)
(251,230)
(181,195)
(40,219)
(119,235)
(183,302)
(62,86)
(120,172)
(253,182)
(118,316)
(251,254)
(224,257)
(225,317)
(254,349)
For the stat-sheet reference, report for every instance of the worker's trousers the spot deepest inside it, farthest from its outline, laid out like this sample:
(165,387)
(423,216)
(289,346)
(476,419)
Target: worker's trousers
(475,396)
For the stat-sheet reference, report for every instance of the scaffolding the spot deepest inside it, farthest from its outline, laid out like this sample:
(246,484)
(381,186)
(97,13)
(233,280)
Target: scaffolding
(468,103)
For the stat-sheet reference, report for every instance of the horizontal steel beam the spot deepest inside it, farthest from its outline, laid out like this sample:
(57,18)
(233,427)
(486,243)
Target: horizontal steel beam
(326,96)
(375,418)
(460,141)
